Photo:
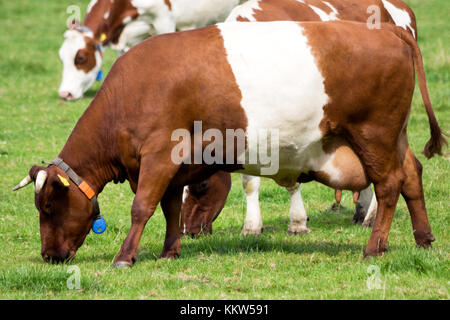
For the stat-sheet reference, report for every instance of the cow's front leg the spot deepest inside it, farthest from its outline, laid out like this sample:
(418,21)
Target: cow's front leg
(154,178)
(297,212)
(253,220)
(171,206)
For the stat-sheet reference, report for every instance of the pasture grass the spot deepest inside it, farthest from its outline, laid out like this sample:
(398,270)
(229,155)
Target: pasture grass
(325,264)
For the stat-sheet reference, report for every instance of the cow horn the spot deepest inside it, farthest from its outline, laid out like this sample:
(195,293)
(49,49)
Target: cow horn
(40,180)
(26,181)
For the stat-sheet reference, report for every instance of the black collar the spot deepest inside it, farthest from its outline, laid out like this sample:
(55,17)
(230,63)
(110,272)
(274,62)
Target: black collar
(82,185)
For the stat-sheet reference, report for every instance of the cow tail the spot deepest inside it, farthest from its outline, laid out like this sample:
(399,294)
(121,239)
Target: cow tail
(437,140)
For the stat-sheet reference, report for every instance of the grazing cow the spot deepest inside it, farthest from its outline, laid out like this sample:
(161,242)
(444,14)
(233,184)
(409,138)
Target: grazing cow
(390,11)
(81,52)
(122,24)
(202,203)
(305,81)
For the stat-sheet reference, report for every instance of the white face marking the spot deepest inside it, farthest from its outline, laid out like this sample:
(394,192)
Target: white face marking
(323,15)
(185,193)
(282,89)
(401,17)
(75,81)
(106,15)
(246,10)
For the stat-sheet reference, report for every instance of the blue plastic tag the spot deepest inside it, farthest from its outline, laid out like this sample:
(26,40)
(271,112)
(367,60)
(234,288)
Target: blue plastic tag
(99,225)
(99,76)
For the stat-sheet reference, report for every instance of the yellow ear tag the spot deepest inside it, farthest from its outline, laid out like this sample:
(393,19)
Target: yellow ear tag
(64,181)
(102,37)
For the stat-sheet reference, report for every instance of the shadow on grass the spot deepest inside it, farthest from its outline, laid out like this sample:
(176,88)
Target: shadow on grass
(228,240)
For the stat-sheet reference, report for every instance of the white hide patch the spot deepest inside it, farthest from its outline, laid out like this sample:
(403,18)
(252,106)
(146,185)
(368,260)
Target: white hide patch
(323,15)
(190,14)
(74,80)
(282,89)
(91,5)
(401,17)
(245,10)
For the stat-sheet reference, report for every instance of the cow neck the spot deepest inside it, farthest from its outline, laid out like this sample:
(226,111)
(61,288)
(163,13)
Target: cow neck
(94,20)
(89,151)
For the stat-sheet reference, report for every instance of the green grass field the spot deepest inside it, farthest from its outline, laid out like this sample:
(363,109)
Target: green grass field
(325,264)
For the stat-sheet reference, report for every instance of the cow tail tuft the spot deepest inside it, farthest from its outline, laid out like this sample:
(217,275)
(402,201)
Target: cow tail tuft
(437,140)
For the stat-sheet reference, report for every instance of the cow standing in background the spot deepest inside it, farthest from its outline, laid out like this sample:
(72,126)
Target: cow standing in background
(391,11)
(122,24)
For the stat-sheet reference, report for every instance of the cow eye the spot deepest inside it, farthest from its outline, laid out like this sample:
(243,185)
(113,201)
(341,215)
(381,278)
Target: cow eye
(80,59)
(47,208)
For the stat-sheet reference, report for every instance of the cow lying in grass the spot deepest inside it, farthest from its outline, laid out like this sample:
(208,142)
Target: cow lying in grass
(391,11)
(317,85)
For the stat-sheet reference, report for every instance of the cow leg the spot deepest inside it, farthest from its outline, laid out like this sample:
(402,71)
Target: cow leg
(381,156)
(387,191)
(371,212)
(366,208)
(253,220)
(171,206)
(297,212)
(154,177)
(412,192)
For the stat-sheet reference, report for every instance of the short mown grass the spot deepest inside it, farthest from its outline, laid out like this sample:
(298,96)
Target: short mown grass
(325,264)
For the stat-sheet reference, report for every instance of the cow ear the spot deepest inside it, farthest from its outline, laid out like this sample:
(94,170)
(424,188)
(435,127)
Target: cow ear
(74,24)
(34,172)
(61,181)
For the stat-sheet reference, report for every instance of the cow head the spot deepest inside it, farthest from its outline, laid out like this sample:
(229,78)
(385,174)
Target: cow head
(202,203)
(65,213)
(81,56)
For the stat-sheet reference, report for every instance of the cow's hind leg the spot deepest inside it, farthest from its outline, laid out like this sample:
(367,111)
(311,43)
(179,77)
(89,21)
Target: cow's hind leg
(380,155)
(171,206)
(297,212)
(387,191)
(412,192)
(253,219)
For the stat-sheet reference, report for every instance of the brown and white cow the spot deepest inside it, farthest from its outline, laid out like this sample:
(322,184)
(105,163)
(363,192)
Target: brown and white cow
(121,24)
(390,11)
(303,80)
(81,52)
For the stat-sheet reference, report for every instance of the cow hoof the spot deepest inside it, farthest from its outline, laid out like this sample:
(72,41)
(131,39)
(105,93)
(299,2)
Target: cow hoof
(360,215)
(122,265)
(424,240)
(169,255)
(253,232)
(377,252)
(297,230)
(368,223)
(335,206)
